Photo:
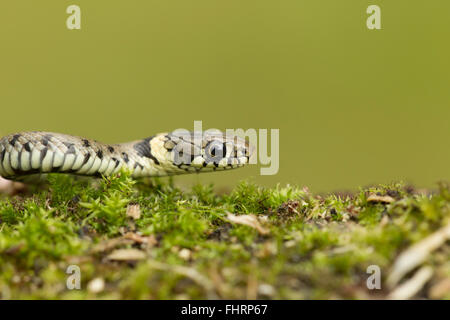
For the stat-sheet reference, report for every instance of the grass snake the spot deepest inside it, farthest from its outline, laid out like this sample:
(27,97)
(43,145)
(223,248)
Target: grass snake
(28,153)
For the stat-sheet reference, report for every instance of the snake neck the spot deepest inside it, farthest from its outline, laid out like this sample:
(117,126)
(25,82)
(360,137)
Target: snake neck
(29,153)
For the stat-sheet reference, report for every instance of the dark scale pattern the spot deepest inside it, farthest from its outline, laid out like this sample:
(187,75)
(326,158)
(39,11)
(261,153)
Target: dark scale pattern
(137,164)
(14,139)
(43,153)
(143,149)
(86,143)
(46,139)
(26,146)
(117,161)
(70,148)
(87,156)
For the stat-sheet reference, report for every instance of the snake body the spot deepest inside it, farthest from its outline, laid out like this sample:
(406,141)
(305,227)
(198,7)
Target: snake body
(36,152)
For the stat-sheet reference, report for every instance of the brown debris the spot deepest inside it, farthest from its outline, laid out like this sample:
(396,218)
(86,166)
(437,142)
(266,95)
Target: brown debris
(380,199)
(111,244)
(289,208)
(411,287)
(134,211)
(10,188)
(219,284)
(417,254)
(128,238)
(14,249)
(440,289)
(248,220)
(126,255)
(149,240)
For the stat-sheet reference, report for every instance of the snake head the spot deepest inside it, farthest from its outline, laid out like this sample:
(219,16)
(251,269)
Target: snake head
(205,151)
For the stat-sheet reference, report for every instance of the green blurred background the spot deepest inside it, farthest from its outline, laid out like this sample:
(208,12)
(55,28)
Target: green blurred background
(354,106)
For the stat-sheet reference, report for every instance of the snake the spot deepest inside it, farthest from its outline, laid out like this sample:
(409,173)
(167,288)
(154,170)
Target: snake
(164,154)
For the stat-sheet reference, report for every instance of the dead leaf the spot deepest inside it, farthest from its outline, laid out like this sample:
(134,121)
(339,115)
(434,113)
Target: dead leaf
(150,240)
(417,254)
(248,220)
(409,289)
(126,255)
(134,211)
(9,187)
(110,244)
(380,199)
(15,248)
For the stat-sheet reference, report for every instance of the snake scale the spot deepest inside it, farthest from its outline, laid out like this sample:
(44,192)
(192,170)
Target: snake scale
(164,154)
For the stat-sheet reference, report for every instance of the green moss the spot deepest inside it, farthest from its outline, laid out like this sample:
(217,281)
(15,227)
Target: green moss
(316,247)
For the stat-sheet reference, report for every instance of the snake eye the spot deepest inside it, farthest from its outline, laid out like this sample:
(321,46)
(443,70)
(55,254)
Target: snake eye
(216,151)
